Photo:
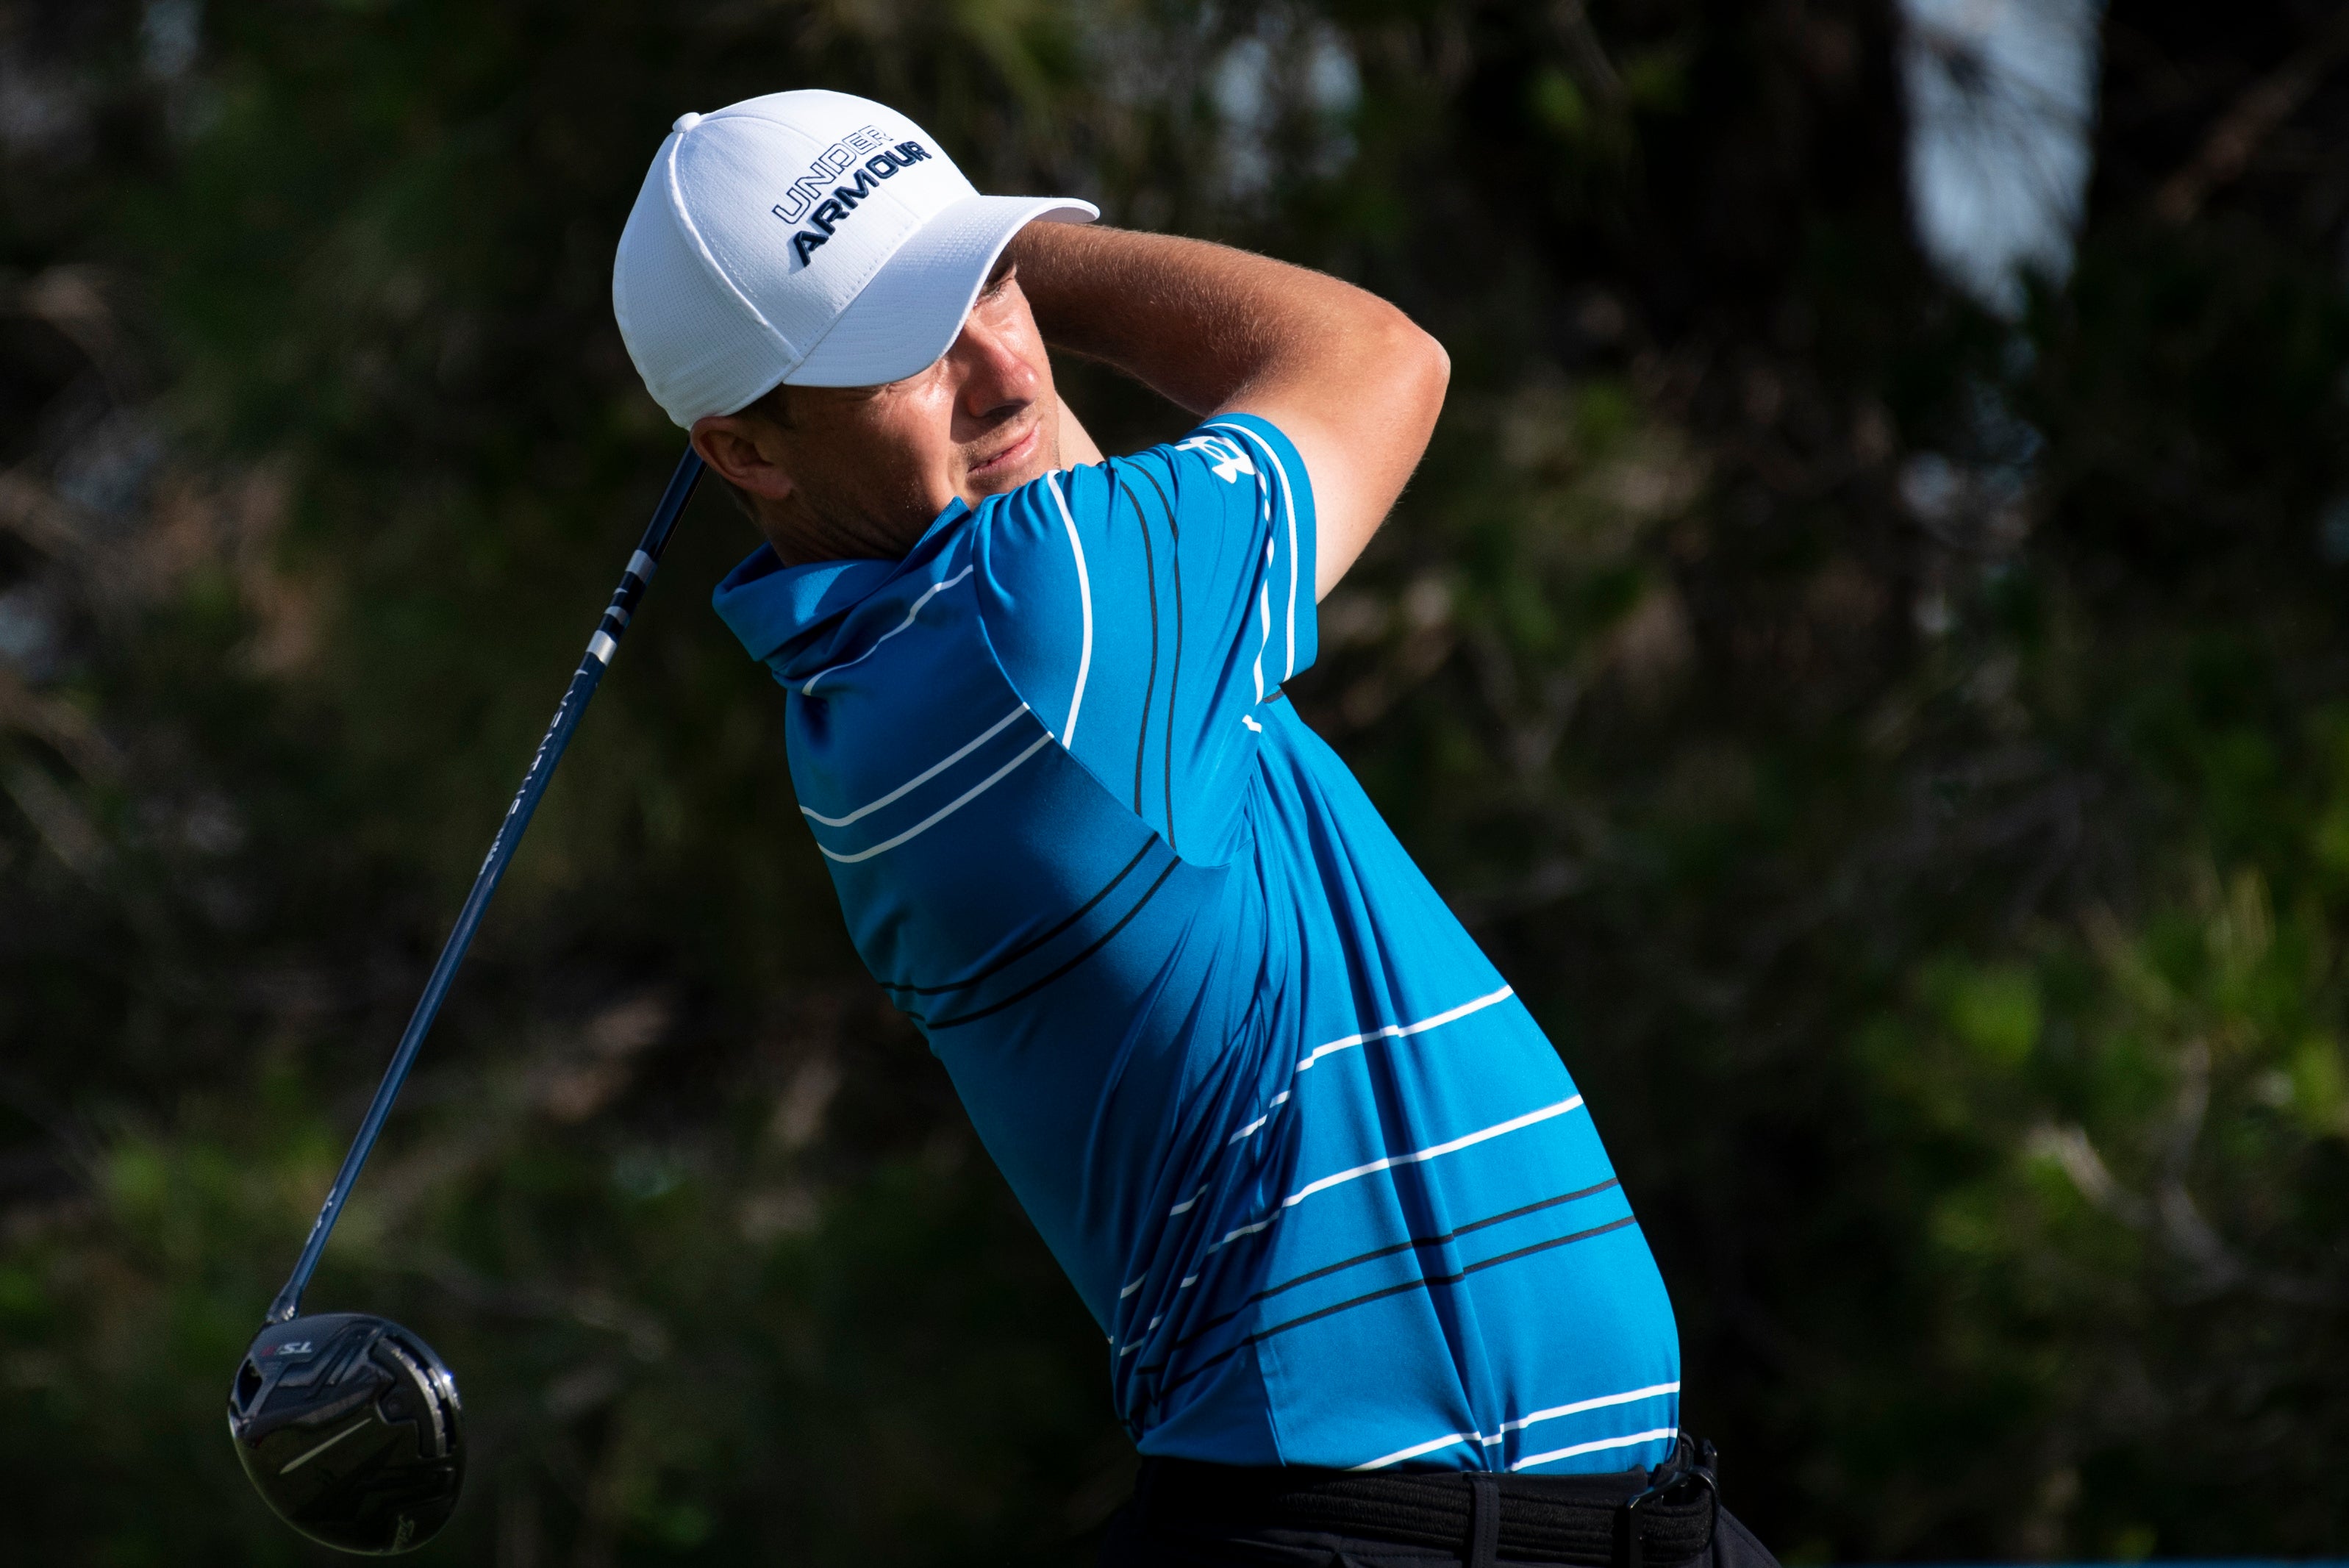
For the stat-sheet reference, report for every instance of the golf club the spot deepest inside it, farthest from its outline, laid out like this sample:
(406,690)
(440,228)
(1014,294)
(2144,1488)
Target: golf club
(348,1425)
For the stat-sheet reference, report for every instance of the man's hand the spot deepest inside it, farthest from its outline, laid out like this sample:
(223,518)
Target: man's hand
(1346,376)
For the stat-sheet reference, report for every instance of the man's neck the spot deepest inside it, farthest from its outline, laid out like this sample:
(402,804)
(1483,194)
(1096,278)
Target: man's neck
(802,535)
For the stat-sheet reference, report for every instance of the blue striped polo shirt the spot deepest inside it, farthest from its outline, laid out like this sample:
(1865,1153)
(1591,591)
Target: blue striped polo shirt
(1327,1188)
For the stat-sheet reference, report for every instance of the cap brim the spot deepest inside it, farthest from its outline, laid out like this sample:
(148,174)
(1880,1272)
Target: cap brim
(913,310)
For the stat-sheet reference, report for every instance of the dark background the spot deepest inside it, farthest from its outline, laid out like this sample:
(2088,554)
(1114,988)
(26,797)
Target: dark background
(1901,749)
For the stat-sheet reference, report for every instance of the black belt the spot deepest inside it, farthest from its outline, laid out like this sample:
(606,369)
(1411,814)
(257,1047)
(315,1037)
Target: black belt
(1631,1519)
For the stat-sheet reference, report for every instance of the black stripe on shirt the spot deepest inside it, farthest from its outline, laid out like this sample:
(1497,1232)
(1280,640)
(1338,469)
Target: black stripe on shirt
(1103,941)
(1174,677)
(1421,1282)
(1386,1252)
(1016,955)
(1417,1242)
(1150,682)
(1430,1280)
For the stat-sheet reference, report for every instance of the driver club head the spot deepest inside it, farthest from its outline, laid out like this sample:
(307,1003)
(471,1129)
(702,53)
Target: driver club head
(350,1427)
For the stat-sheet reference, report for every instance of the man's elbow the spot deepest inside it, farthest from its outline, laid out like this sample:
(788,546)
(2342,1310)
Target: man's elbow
(1436,372)
(1416,370)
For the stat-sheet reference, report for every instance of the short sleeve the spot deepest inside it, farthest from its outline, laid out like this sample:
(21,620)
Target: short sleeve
(1147,609)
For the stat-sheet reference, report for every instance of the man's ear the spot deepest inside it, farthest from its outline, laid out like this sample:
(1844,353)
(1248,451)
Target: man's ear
(745,451)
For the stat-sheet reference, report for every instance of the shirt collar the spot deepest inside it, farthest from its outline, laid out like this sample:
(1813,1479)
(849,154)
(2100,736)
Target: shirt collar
(782,613)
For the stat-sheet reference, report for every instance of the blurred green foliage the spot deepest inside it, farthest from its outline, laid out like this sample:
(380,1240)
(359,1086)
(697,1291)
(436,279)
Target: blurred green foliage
(1903,754)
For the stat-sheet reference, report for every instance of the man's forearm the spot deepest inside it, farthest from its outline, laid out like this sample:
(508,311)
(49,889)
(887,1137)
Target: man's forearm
(1202,325)
(1354,383)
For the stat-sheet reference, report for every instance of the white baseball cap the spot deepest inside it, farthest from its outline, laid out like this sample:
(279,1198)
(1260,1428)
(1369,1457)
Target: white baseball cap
(806,237)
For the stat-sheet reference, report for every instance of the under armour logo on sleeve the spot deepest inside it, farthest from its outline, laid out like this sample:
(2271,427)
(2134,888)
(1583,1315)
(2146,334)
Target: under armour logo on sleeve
(1229,457)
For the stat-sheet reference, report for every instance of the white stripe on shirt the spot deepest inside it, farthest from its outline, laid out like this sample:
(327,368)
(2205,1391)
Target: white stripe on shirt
(1433,1152)
(932,591)
(1264,614)
(1579,1406)
(943,812)
(1336,1179)
(1522,1422)
(1084,603)
(1567,1453)
(1391,1032)
(1402,1031)
(1289,500)
(924,776)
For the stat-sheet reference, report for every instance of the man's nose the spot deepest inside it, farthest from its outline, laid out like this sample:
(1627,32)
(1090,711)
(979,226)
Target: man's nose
(996,378)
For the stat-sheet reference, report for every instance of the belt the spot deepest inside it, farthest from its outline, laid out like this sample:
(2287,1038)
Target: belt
(1630,1519)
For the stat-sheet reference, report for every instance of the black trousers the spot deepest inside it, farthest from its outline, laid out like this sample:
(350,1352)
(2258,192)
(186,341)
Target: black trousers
(1189,1515)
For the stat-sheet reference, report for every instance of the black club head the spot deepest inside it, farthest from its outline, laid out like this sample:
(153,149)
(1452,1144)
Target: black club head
(350,1427)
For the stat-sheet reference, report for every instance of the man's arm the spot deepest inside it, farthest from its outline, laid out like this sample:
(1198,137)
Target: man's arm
(1346,376)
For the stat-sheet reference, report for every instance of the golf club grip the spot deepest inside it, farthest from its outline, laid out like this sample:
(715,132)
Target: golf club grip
(583,681)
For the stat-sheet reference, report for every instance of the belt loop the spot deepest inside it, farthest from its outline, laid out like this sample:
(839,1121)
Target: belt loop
(1483,1519)
(1627,1553)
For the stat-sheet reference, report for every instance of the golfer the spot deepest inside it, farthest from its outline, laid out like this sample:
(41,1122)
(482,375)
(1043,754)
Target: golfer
(1368,1281)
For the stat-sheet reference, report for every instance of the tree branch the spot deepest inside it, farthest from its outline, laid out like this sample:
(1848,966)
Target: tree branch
(2268,102)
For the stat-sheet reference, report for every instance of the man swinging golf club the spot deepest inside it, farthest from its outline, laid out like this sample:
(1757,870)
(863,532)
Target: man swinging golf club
(1369,1283)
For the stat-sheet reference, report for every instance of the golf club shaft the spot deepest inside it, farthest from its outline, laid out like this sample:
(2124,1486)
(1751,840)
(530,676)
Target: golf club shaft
(592,665)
